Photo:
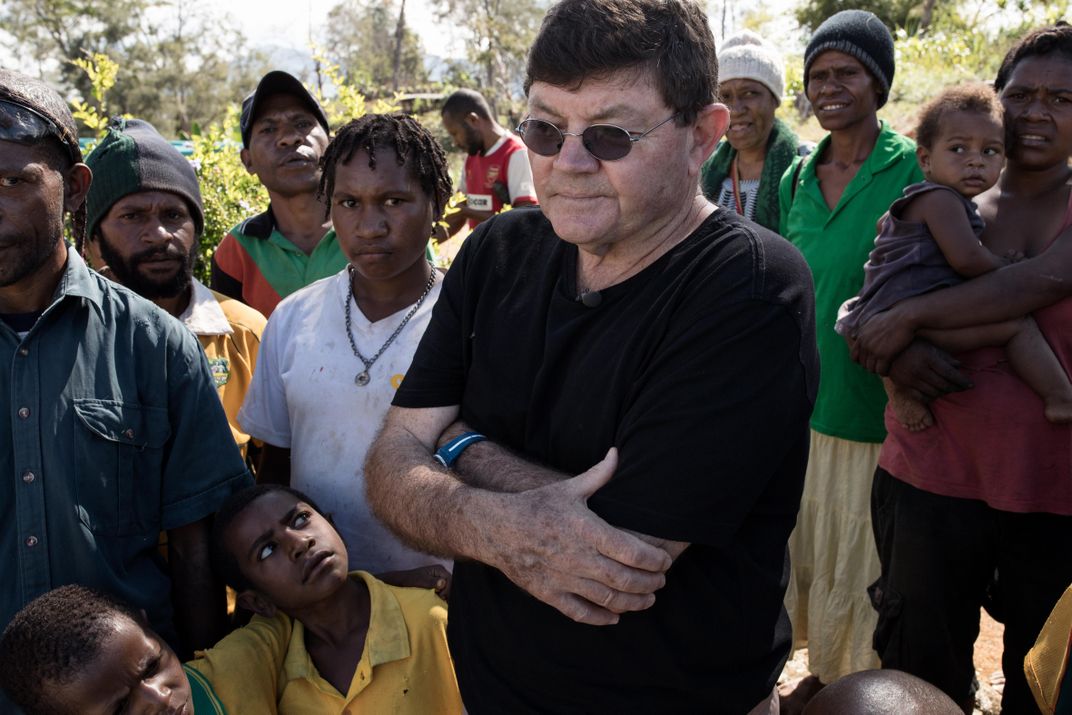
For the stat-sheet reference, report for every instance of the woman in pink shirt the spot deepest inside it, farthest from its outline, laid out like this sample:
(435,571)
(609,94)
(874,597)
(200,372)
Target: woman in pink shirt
(977,509)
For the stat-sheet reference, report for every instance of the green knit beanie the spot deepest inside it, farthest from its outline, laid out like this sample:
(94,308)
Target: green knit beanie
(133,157)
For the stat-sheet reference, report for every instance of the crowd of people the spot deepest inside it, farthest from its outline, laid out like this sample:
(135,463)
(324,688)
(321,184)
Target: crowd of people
(704,394)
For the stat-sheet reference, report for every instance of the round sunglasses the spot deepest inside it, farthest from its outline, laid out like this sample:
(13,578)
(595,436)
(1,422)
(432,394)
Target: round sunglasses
(605,142)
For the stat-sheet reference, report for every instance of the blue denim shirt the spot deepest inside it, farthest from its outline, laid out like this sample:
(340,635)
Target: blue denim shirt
(110,432)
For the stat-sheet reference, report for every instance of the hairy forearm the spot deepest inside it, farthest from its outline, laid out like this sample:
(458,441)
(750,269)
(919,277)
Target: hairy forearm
(424,504)
(199,598)
(545,540)
(488,465)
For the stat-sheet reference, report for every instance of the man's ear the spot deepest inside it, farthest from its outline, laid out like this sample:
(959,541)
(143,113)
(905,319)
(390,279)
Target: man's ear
(76,186)
(710,125)
(244,156)
(253,601)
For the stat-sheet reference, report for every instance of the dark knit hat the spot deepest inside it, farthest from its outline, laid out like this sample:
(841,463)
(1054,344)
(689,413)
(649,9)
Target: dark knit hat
(134,157)
(42,100)
(273,83)
(862,35)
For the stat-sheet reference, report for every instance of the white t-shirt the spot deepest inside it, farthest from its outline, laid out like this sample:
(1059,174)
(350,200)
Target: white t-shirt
(303,397)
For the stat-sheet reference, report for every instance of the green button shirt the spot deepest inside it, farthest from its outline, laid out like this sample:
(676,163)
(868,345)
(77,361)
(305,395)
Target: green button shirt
(110,432)
(836,244)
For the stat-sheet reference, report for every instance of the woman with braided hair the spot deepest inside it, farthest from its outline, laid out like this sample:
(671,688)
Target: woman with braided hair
(334,353)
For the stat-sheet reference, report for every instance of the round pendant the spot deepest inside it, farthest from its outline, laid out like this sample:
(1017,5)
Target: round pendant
(362,378)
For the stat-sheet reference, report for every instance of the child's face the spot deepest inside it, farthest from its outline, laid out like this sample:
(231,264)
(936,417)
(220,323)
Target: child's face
(136,672)
(967,154)
(289,552)
(382,216)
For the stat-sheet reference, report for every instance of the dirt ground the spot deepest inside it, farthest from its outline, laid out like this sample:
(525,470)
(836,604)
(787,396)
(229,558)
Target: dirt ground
(987,667)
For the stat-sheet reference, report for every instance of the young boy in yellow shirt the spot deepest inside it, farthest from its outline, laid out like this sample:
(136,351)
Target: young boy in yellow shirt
(323,640)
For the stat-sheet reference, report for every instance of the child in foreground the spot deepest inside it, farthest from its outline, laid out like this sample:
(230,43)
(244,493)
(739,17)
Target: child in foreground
(881,692)
(323,640)
(929,240)
(76,651)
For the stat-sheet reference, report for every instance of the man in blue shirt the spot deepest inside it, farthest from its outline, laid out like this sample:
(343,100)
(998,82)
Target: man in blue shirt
(110,428)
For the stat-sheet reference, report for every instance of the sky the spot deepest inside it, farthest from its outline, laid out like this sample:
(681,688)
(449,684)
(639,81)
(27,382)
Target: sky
(291,23)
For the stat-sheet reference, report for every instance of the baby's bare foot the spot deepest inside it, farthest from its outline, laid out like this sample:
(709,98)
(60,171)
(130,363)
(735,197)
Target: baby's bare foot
(913,415)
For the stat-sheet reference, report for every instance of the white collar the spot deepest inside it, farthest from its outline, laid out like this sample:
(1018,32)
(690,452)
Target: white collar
(495,147)
(204,316)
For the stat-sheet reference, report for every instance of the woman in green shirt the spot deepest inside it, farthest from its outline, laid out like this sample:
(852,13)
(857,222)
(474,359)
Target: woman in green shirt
(830,203)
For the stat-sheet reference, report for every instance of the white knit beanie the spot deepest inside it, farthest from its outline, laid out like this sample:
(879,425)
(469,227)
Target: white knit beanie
(746,56)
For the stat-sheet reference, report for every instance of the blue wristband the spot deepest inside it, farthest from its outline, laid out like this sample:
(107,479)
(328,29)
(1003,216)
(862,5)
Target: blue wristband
(448,454)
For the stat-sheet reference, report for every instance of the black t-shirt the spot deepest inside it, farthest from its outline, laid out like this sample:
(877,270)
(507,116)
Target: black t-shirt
(702,370)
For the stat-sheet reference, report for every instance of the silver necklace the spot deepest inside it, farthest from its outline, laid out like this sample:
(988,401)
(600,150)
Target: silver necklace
(362,378)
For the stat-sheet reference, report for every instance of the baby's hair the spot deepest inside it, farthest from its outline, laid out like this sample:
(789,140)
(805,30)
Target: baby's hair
(976,97)
(52,638)
(412,144)
(224,562)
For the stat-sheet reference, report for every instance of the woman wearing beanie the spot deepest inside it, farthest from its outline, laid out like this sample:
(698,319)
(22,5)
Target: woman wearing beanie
(744,172)
(830,202)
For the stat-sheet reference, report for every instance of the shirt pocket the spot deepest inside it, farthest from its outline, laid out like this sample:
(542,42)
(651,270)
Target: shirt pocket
(119,448)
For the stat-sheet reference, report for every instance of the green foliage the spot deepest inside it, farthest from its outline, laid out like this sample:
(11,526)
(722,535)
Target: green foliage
(101,71)
(178,62)
(229,193)
(894,13)
(345,101)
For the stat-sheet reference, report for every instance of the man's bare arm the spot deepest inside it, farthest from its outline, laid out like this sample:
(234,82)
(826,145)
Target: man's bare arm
(198,597)
(492,466)
(489,465)
(545,539)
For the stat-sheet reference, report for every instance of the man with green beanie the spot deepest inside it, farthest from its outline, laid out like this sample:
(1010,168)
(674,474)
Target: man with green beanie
(144,224)
(110,430)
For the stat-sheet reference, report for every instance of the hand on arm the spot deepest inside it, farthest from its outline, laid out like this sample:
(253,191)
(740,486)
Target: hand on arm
(197,595)
(927,372)
(490,466)
(431,576)
(545,540)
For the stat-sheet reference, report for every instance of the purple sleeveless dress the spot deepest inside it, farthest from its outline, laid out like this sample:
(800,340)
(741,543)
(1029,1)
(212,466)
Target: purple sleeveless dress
(905,261)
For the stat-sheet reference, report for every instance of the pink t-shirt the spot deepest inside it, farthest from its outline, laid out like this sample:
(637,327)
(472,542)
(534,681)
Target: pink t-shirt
(993,442)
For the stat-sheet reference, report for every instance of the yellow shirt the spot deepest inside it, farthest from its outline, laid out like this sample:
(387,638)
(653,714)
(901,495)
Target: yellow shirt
(230,333)
(405,666)
(1046,664)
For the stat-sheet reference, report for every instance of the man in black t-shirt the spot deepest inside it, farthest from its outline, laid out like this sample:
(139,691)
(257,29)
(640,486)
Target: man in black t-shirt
(606,422)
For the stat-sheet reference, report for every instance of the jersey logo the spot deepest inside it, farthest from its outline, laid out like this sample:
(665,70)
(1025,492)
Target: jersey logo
(221,370)
(492,175)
